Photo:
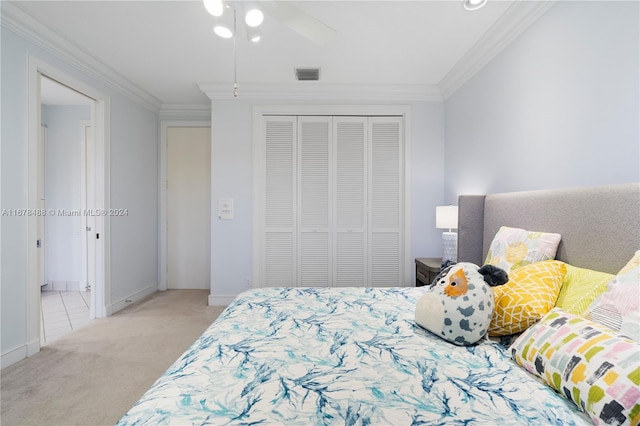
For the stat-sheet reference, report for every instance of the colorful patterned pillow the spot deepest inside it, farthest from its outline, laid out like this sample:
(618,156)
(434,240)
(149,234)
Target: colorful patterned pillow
(513,248)
(587,363)
(633,263)
(531,292)
(619,307)
(580,288)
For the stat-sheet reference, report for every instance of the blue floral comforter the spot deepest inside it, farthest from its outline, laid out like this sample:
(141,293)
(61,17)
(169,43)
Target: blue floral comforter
(341,356)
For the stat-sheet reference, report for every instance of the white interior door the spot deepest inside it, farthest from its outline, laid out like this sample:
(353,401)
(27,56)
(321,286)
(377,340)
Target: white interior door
(386,255)
(279,197)
(350,207)
(314,202)
(188,207)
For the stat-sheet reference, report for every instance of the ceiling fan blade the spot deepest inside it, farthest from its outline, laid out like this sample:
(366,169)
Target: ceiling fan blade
(301,22)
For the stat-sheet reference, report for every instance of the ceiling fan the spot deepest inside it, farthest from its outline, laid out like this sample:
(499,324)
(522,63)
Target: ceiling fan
(282,11)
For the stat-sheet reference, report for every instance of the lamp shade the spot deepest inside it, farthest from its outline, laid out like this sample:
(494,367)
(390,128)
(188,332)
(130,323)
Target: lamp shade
(447,217)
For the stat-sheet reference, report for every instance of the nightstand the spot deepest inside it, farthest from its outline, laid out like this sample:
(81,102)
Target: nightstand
(427,269)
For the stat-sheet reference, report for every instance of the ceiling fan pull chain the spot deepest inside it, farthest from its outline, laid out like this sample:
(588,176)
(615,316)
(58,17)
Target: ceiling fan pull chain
(235,57)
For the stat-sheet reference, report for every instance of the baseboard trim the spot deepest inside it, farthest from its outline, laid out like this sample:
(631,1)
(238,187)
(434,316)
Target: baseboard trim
(18,354)
(13,356)
(220,300)
(64,286)
(134,298)
(75,286)
(33,347)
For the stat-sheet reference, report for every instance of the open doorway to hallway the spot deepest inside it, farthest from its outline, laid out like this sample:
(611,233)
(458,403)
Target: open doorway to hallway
(99,105)
(66,188)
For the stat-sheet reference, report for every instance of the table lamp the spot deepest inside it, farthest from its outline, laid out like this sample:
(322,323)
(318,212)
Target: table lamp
(447,218)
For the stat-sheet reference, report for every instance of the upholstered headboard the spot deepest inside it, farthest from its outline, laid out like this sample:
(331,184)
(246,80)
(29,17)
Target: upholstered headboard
(600,226)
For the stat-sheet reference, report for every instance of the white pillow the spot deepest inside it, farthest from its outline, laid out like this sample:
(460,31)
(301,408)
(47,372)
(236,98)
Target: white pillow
(513,248)
(619,306)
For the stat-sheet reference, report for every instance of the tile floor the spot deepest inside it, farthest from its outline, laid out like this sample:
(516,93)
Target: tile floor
(62,312)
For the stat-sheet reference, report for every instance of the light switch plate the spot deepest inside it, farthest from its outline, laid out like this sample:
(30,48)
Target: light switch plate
(225,208)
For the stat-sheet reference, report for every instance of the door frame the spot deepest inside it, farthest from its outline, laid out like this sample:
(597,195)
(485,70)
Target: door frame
(42,202)
(88,222)
(163,207)
(101,120)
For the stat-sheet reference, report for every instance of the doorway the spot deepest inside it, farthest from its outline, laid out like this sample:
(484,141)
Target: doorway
(65,189)
(188,207)
(90,131)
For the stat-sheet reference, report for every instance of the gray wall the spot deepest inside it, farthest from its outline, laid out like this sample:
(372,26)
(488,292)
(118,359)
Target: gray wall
(134,186)
(232,244)
(557,108)
(133,168)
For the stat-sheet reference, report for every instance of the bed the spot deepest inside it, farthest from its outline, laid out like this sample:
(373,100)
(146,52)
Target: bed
(313,356)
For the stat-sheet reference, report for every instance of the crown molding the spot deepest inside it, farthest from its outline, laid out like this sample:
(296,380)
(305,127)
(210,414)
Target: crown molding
(185,112)
(20,22)
(518,17)
(319,92)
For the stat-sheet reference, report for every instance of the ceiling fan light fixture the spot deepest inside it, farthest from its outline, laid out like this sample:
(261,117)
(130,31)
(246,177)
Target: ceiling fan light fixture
(253,34)
(474,4)
(214,7)
(223,31)
(254,18)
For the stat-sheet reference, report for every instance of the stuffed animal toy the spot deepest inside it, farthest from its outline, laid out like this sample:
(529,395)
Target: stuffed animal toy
(458,305)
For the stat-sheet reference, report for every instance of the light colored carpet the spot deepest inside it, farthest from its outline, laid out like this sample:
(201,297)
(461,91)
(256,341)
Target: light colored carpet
(94,375)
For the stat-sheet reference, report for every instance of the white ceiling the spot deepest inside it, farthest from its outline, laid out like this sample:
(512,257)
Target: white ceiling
(167,48)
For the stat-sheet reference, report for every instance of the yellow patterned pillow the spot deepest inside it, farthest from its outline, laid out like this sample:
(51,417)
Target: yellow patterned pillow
(531,292)
(581,287)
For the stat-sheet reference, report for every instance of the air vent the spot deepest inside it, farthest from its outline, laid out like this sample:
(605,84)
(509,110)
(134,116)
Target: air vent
(307,74)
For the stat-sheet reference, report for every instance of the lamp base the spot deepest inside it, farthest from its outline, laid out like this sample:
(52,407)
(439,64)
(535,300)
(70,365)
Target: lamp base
(450,246)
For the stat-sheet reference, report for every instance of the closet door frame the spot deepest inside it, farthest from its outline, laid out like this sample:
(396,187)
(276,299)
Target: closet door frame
(259,111)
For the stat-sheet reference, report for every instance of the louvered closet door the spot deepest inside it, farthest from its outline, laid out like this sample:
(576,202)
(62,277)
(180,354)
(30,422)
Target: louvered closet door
(333,202)
(315,201)
(279,265)
(386,201)
(350,212)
